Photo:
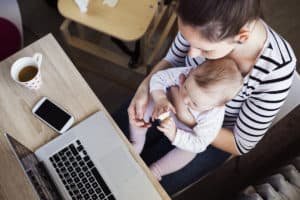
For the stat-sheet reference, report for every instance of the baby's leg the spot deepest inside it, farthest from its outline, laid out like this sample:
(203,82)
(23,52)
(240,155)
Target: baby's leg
(138,134)
(171,162)
(137,137)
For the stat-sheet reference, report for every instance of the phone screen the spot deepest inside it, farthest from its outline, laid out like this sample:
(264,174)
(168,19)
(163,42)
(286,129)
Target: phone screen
(52,114)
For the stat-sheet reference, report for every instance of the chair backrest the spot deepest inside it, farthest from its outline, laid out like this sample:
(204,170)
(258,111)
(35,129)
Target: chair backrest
(293,99)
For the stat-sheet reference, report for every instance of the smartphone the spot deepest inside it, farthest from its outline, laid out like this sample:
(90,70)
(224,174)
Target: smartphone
(53,115)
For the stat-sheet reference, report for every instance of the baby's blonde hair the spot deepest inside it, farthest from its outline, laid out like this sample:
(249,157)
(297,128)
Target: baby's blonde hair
(221,77)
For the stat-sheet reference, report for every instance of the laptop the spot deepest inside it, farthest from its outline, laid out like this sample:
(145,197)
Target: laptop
(90,161)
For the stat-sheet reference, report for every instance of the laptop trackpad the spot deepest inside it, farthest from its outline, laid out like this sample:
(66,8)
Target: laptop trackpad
(119,166)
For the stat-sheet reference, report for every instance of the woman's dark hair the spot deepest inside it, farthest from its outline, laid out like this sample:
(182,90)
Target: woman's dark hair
(218,19)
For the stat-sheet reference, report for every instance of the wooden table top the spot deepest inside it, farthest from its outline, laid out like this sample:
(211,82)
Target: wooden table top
(128,21)
(63,84)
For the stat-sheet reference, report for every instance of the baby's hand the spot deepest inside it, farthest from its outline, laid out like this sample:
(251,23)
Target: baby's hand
(168,127)
(163,106)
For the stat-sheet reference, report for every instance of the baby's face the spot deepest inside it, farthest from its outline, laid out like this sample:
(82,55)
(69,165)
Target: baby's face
(195,97)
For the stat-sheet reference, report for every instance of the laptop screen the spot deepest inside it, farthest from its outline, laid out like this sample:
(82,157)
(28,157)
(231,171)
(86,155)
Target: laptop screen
(35,170)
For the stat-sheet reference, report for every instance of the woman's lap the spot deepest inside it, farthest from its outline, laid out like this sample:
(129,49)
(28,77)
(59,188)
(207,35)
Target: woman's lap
(158,145)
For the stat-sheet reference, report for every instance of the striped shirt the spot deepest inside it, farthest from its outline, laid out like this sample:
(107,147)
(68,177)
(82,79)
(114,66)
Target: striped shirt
(265,88)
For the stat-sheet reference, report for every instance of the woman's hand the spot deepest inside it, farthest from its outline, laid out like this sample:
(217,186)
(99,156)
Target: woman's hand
(139,103)
(137,107)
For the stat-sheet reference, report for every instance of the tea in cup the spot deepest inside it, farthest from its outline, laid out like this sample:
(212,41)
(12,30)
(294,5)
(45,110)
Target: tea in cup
(27,71)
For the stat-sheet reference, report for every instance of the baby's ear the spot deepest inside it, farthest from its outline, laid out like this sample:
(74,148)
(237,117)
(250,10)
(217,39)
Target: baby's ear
(182,78)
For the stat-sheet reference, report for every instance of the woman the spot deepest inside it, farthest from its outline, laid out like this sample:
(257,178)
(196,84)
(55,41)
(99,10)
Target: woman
(211,30)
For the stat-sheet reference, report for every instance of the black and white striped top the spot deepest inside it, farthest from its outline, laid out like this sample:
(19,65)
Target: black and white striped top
(251,112)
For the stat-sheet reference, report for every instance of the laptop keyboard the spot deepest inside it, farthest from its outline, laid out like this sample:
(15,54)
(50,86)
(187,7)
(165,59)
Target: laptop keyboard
(79,174)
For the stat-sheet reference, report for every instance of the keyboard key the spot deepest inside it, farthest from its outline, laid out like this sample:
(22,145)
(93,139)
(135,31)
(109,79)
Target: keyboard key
(73,173)
(78,169)
(84,180)
(60,165)
(88,173)
(111,197)
(86,158)
(91,179)
(100,181)
(94,197)
(86,196)
(94,185)
(74,164)
(81,174)
(79,185)
(71,159)
(73,150)
(81,163)
(83,191)
(101,195)
(90,164)
(98,190)
(56,158)
(80,148)
(64,158)
(78,158)
(91,191)
(73,186)
(87,186)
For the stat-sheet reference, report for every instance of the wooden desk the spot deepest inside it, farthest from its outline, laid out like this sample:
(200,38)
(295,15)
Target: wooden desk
(128,21)
(62,83)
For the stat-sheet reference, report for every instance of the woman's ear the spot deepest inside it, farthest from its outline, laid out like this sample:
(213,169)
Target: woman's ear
(242,36)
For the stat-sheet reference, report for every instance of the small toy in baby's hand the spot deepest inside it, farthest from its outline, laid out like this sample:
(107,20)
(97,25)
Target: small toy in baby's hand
(162,117)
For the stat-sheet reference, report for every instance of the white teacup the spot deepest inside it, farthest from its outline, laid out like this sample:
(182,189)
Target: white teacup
(27,71)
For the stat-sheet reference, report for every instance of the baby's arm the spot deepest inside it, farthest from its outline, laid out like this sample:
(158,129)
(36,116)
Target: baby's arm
(161,104)
(203,133)
(159,83)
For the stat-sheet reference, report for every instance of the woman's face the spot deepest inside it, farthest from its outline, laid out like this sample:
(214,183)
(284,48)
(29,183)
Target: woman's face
(201,47)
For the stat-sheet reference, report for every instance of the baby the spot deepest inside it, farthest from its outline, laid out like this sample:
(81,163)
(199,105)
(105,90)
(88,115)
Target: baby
(196,107)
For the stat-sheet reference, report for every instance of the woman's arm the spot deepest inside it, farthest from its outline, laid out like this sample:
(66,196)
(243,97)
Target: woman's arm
(225,141)
(140,100)
(175,57)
